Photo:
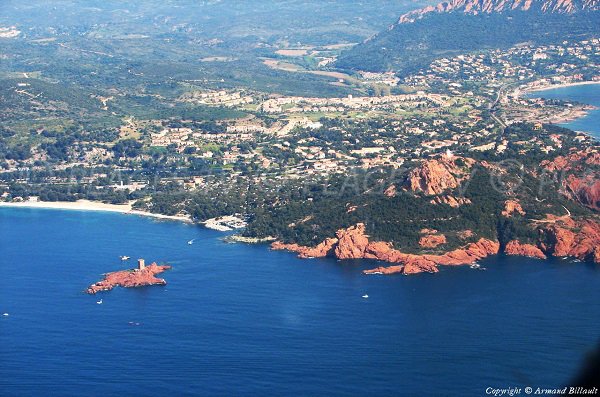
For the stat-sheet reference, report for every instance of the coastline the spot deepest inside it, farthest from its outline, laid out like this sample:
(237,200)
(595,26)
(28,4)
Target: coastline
(566,117)
(556,86)
(86,205)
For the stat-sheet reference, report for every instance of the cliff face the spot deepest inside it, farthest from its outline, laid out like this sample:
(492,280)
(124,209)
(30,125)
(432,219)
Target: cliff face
(321,250)
(353,243)
(475,7)
(580,176)
(577,239)
(585,190)
(561,237)
(514,247)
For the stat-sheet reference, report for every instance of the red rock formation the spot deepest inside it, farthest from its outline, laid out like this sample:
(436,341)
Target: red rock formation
(514,247)
(322,250)
(578,239)
(512,206)
(432,240)
(585,190)
(130,278)
(563,235)
(435,176)
(428,263)
(574,161)
(352,242)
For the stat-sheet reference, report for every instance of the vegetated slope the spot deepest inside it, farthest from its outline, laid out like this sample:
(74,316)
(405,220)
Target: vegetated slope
(461,26)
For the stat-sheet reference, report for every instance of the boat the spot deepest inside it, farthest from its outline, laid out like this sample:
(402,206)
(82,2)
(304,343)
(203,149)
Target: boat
(475,266)
(124,258)
(99,302)
(365,296)
(5,314)
(190,242)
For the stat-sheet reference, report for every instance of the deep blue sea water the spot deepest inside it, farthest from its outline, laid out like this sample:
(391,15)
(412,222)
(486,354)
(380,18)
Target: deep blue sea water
(588,94)
(238,320)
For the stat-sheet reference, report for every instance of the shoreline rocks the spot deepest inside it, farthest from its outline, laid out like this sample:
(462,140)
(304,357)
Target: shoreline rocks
(561,238)
(130,279)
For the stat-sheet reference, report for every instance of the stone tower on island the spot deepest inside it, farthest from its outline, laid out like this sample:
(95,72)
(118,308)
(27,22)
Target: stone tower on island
(141,264)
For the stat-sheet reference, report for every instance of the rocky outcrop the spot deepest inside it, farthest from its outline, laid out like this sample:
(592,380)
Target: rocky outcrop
(475,7)
(322,250)
(353,243)
(559,236)
(432,240)
(435,176)
(512,206)
(514,247)
(577,239)
(579,173)
(574,161)
(428,263)
(585,190)
(130,278)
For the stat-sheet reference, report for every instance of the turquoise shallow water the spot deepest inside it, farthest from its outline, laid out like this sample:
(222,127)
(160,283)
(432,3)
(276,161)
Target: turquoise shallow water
(588,94)
(242,320)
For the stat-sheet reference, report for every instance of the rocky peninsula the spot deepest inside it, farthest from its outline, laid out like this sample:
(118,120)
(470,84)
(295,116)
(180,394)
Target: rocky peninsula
(527,225)
(140,277)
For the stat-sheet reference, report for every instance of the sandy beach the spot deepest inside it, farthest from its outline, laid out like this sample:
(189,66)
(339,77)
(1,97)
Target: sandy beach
(563,117)
(553,86)
(86,205)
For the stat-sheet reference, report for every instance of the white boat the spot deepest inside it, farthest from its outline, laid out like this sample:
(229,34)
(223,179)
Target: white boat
(5,314)
(475,266)
(365,296)
(190,242)
(124,258)
(99,302)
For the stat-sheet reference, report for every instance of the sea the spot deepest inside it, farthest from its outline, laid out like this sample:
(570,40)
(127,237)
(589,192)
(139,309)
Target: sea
(241,320)
(586,93)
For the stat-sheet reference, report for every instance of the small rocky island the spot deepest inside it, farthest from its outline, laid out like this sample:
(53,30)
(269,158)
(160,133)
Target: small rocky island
(141,276)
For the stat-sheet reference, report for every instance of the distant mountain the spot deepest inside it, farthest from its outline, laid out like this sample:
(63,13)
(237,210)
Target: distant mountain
(476,7)
(467,25)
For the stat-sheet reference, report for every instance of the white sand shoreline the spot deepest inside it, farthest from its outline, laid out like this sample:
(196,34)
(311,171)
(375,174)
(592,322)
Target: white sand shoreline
(560,119)
(86,205)
(564,85)
(555,86)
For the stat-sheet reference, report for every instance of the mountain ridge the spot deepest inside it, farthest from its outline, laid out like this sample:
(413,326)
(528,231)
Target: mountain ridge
(461,26)
(475,7)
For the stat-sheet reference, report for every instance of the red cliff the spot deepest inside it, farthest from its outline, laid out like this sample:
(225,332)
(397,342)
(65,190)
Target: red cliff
(578,239)
(353,243)
(562,236)
(130,278)
(585,190)
(514,247)
(321,250)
